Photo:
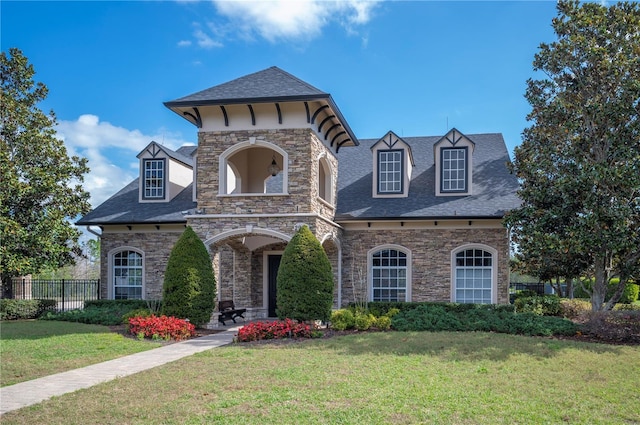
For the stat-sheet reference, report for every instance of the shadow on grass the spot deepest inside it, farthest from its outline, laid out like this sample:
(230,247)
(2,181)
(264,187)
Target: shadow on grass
(458,346)
(38,329)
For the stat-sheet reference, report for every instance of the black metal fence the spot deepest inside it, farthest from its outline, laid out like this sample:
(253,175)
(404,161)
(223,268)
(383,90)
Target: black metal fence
(538,288)
(69,293)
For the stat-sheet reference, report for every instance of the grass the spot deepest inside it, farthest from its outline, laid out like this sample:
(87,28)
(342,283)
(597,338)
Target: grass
(31,349)
(370,378)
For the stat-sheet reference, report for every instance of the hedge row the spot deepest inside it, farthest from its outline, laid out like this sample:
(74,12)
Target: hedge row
(24,309)
(487,318)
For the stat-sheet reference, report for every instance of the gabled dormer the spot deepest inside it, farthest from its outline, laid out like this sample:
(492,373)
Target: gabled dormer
(453,157)
(392,167)
(164,173)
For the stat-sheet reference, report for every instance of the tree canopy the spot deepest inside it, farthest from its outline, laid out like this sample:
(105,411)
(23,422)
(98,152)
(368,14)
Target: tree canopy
(579,162)
(41,190)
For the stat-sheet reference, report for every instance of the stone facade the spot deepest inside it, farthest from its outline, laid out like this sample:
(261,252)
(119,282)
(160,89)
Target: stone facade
(430,251)
(225,222)
(155,247)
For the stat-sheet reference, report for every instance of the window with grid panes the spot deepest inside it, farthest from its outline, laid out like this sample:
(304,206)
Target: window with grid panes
(127,275)
(454,170)
(390,171)
(473,276)
(154,178)
(389,275)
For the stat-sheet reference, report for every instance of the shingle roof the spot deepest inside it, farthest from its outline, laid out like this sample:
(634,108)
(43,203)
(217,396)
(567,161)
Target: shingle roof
(271,84)
(124,208)
(184,154)
(494,188)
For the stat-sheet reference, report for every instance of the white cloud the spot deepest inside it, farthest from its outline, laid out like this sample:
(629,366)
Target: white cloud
(184,43)
(109,150)
(288,20)
(204,40)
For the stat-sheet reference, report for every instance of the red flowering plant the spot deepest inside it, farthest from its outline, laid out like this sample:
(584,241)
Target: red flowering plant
(286,328)
(161,327)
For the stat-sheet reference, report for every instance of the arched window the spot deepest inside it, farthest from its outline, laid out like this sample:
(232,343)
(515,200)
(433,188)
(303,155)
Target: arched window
(474,279)
(390,273)
(127,272)
(325,187)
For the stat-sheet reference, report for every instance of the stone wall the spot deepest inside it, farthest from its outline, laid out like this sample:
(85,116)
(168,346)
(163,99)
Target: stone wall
(431,259)
(156,247)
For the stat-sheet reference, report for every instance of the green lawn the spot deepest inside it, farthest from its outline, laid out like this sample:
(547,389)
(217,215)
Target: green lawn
(374,378)
(31,349)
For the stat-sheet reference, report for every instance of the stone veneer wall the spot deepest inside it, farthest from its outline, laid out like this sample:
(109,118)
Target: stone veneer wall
(156,247)
(431,258)
(303,149)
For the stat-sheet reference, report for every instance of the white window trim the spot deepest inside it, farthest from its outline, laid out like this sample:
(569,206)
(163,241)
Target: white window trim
(400,248)
(110,264)
(494,269)
(248,144)
(165,180)
(328,180)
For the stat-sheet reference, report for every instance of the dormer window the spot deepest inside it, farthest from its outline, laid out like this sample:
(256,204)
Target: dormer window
(154,178)
(390,171)
(392,167)
(454,169)
(453,158)
(164,173)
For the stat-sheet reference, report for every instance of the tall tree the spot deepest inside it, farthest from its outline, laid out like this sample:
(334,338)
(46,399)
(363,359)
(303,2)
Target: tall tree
(579,162)
(41,188)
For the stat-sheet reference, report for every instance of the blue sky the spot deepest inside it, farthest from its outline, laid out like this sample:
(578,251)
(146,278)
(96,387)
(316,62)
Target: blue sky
(417,68)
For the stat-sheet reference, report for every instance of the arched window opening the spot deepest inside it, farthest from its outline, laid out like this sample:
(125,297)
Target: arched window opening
(474,276)
(324,181)
(389,275)
(127,275)
(253,168)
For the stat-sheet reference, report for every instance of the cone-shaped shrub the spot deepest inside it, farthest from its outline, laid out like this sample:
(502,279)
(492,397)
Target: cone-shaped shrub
(189,284)
(305,280)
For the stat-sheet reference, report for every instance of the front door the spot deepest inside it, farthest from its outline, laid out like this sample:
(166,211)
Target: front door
(274,263)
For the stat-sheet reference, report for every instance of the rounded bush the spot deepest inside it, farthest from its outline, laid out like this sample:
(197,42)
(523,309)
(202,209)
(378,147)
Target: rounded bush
(305,280)
(383,323)
(189,284)
(342,319)
(364,321)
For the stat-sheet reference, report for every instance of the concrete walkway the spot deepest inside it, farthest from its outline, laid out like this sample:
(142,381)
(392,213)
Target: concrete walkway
(32,392)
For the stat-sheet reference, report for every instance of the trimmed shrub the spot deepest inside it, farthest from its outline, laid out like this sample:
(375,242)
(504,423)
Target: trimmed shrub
(614,326)
(305,280)
(25,309)
(571,309)
(364,321)
(542,305)
(383,323)
(630,294)
(139,312)
(107,314)
(626,307)
(124,304)
(342,319)
(486,318)
(189,284)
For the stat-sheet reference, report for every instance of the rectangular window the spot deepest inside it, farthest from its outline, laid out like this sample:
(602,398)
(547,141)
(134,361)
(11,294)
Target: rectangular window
(154,178)
(454,170)
(390,171)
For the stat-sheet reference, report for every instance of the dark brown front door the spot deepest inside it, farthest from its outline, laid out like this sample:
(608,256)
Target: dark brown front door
(274,263)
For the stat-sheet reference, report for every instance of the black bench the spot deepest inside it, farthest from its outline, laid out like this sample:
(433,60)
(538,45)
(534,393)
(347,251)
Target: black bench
(228,311)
